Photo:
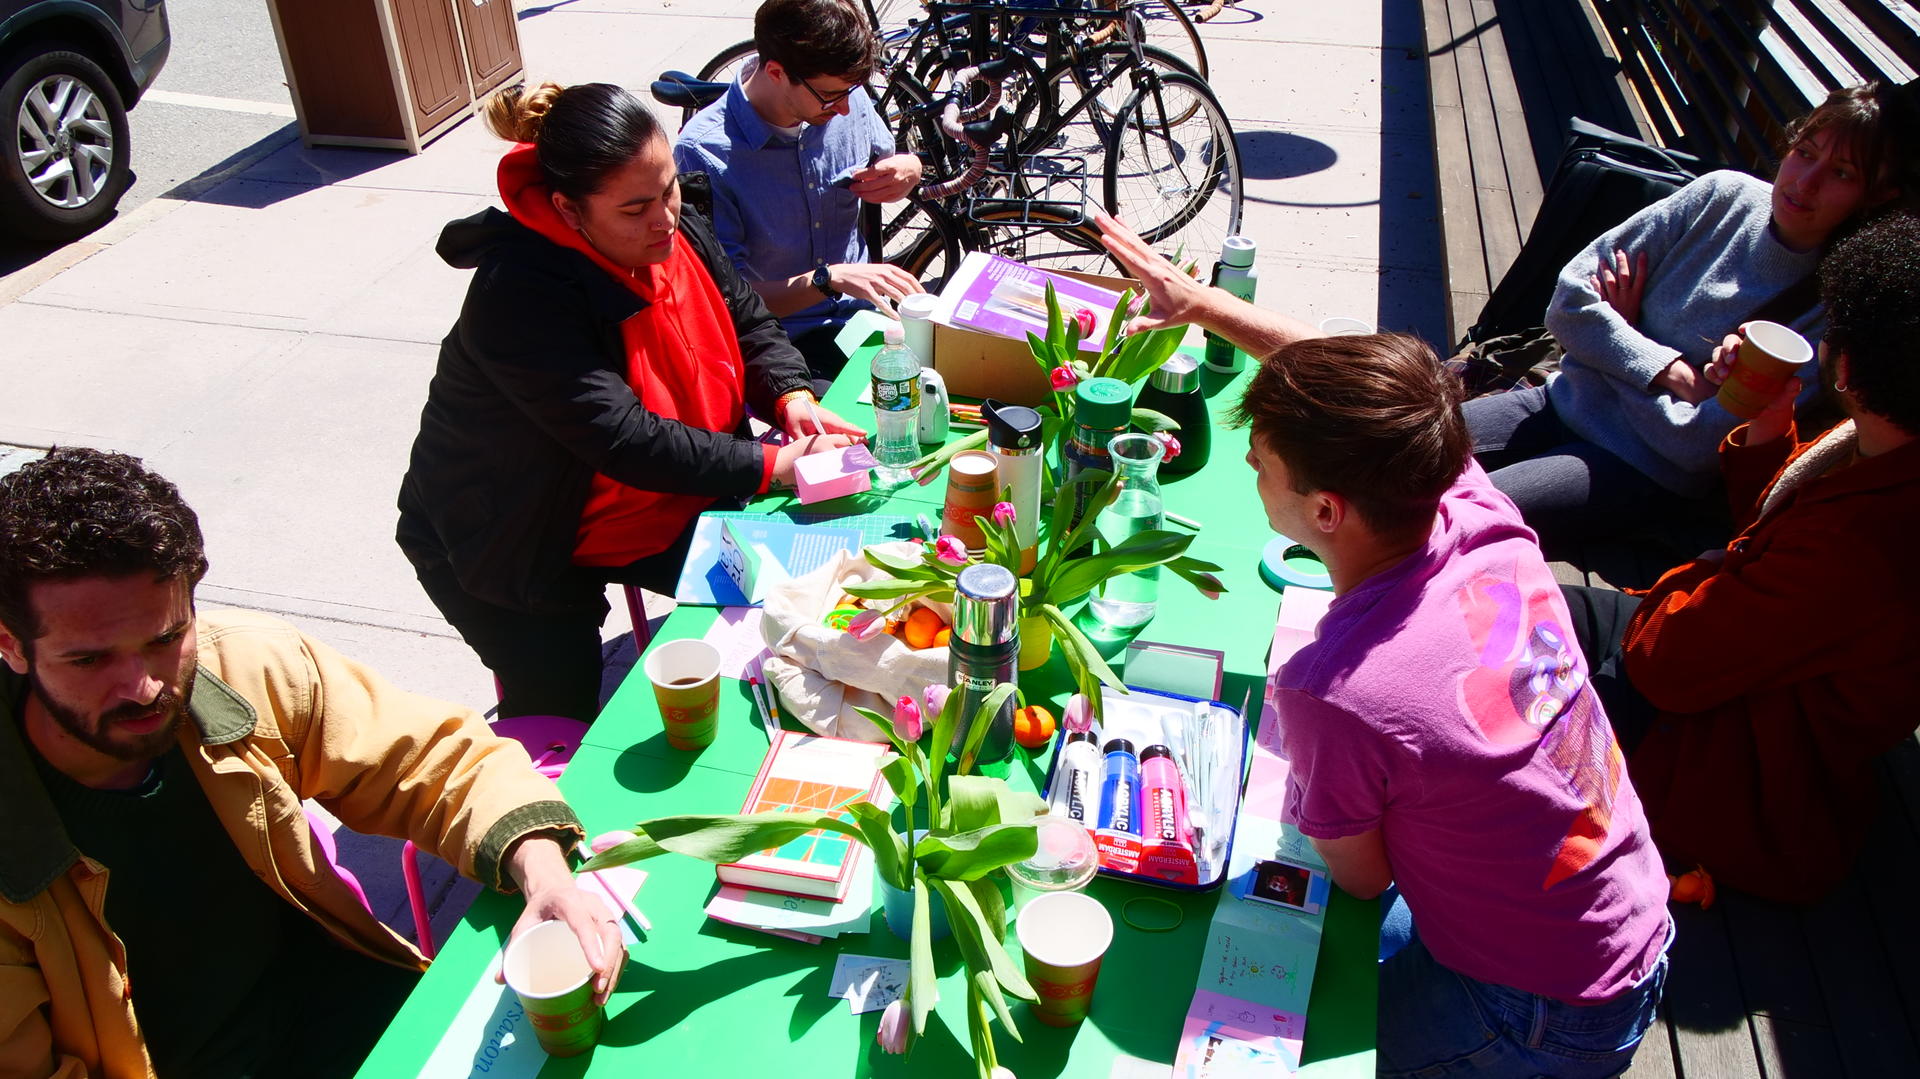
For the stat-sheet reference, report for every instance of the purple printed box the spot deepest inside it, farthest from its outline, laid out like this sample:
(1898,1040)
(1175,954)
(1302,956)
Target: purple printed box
(995,295)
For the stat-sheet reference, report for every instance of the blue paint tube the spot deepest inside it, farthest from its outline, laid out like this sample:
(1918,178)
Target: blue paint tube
(1120,788)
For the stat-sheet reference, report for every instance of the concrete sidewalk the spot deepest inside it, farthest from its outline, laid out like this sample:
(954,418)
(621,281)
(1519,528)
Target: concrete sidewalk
(268,344)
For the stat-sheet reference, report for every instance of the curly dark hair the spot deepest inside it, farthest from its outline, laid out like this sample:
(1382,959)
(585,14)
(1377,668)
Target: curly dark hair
(808,38)
(1373,418)
(88,513)
(1871,284)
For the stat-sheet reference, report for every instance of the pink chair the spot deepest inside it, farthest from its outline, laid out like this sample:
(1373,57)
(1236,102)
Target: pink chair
(551,741)
(323,838)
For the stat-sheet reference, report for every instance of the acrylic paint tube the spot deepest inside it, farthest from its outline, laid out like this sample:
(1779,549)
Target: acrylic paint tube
(1120,789)
(1163,800)
(1076,779)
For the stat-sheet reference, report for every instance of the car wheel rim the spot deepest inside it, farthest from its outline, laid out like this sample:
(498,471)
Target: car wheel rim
(65,141)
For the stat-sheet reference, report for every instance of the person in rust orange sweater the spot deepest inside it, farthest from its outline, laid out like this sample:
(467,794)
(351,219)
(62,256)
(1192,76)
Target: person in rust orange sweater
(1754,686)
(592,399)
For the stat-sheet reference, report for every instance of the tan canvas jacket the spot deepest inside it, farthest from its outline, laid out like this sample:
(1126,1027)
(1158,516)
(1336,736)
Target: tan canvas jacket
(275,717)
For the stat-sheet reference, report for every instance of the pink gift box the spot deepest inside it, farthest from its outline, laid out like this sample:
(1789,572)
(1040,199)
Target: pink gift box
(833,473)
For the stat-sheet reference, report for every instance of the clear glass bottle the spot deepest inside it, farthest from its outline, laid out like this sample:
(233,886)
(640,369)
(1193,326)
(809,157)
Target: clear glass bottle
(1129,600)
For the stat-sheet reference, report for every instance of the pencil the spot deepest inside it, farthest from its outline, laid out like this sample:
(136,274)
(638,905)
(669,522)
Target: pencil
(1185,522)
(625,904)
(760,705)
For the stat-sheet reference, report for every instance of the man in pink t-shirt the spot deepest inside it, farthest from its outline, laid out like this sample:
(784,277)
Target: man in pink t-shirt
(1443,738)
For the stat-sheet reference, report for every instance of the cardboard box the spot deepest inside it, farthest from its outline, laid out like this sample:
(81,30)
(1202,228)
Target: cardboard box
(977,364)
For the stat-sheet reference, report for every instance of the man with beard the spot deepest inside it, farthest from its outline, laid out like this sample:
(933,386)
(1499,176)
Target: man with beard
(163,907)
(1754,686)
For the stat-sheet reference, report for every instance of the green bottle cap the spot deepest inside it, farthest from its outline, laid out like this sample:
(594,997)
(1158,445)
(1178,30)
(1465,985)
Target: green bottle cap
(1105,403)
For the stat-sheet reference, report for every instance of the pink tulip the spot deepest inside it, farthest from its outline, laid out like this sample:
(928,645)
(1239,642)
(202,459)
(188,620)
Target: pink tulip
(906,719)
(950,550)
(936,698)
(1003,514)
(867,625)
(606,841)
(1084,318)
(1078,715)
(896,1027)
(1171,443)
(1063,378)
(1003,1073)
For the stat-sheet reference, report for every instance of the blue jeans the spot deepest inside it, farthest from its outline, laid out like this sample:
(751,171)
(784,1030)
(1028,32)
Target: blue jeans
(1435,1022)
(1568,489)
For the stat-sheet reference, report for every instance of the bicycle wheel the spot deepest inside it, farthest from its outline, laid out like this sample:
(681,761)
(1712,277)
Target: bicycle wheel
(921,238)
(1170,28)
(1178,183)
(1103,78)
(725,66)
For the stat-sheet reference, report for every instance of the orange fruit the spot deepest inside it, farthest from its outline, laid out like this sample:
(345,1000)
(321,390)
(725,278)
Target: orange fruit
(942,636)
(1032,726)
(921,625)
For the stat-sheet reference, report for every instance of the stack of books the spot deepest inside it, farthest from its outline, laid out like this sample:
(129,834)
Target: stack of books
(820,884)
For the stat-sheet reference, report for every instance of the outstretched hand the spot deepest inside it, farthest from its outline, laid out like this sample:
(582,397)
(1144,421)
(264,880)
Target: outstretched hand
(539,867)
(801,416)
(1176,298)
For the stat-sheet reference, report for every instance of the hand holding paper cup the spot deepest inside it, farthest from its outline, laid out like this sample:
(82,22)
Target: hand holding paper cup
(1064,936)
(686,684)
(1769,354)
(546,969)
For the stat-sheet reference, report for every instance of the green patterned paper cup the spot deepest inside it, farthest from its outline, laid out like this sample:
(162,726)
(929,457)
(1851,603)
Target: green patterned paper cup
(1064,936)
(686,684)
(547,970)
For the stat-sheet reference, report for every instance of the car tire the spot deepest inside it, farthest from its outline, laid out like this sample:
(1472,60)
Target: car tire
(40,198)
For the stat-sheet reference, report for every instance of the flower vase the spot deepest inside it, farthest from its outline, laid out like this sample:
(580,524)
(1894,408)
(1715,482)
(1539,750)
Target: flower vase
(897,905)
(1036,641)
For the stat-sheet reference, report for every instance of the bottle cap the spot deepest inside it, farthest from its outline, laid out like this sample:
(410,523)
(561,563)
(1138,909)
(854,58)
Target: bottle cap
(1151,752)
(1118,745)
(918,305)
(1011,427)
(1102,403)
(1237,251)
(1180,374)
(1079,736)
(894,334)
(986,604)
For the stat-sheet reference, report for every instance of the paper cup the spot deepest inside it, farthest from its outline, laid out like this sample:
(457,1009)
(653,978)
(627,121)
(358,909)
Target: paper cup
(1064,936)
(686,683)
(1342,326)
(547,970)
(1769,355)
(972,489)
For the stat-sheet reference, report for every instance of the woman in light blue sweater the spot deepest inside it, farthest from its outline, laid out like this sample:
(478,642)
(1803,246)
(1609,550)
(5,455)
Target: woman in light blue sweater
(1629,430)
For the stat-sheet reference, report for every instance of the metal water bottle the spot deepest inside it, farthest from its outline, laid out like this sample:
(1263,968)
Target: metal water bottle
(1013,437)
(1235,273)
(983,651)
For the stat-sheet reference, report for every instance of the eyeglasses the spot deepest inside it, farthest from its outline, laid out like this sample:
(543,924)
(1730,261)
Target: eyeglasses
(828,101)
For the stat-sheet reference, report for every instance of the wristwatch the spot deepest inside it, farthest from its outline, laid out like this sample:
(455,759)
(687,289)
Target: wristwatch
(823,282)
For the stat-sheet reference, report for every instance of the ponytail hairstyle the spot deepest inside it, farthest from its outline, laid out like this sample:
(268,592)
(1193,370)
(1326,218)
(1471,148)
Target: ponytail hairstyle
(581,134)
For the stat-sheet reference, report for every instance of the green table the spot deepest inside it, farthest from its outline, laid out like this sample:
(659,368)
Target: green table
(699,994)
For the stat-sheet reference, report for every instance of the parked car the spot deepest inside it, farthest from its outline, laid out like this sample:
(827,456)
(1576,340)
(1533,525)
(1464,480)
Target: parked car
(69,71)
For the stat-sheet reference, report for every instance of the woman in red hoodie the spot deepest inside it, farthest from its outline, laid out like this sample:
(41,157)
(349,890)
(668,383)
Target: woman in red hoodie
(1761,681)
(592,399)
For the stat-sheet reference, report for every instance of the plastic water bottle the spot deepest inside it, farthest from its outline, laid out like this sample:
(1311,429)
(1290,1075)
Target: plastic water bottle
(896,407)
(1130,599)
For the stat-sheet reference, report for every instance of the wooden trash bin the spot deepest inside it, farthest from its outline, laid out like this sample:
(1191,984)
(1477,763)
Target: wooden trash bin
(393,74)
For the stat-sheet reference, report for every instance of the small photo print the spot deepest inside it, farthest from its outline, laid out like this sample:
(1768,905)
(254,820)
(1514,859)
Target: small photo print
(1289,885)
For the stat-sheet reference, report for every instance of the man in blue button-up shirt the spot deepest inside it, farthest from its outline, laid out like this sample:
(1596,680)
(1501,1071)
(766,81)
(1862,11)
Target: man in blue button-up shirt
(793,150)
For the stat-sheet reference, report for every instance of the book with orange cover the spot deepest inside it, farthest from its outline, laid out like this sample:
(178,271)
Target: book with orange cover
(817,774)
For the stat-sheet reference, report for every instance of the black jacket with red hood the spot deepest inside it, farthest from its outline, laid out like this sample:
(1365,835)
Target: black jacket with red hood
(530,399)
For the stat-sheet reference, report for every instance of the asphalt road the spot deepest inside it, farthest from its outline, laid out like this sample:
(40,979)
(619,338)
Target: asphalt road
(222,97)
